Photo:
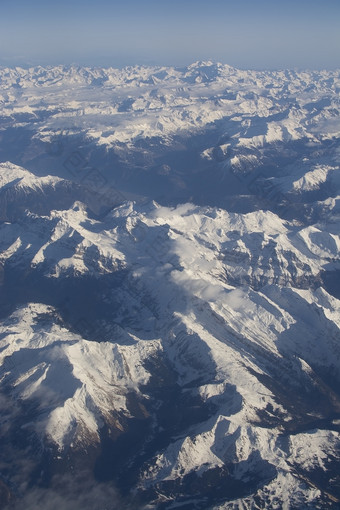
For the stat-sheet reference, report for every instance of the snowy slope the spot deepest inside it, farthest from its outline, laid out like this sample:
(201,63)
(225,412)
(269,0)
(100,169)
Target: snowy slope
(21,190)
(228,308)
(75,392)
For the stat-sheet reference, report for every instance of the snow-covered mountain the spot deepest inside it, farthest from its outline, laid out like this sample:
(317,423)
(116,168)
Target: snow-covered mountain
(204,133)
(169,288)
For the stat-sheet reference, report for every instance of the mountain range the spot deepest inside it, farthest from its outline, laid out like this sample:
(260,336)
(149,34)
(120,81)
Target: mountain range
(169,288)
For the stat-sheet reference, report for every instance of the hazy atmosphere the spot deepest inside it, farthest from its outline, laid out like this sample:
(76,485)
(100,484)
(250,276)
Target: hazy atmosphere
(247,34)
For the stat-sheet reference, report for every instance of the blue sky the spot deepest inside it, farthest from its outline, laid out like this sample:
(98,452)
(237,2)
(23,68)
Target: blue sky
(263,34)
